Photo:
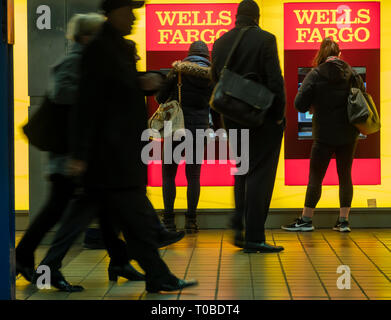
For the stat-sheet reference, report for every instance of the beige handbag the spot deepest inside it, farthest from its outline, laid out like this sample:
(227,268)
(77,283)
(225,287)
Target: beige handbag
(169,111)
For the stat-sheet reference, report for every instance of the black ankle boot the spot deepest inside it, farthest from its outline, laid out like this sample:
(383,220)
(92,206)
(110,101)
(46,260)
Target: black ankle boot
(191,225)
(169,221)
(27,271)
(238,240)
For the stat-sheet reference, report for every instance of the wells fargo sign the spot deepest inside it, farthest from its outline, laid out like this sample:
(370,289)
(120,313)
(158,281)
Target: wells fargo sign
(173,27)
(354,25)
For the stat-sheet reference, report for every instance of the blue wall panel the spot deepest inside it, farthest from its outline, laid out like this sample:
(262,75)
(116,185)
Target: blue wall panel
(7,218)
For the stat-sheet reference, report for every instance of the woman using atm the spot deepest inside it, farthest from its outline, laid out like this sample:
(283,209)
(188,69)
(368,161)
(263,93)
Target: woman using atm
(196,90)
(324,93)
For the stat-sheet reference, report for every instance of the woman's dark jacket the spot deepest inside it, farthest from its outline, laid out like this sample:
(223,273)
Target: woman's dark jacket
(196,90)
(326,88)
(110,114)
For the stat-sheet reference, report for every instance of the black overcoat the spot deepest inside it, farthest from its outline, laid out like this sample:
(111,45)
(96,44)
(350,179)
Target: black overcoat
(110,114)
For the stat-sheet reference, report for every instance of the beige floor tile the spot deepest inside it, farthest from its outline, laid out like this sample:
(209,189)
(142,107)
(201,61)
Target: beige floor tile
(235,297)
(129,297)
(76,297)
(159,296)
(196,297)
(237,274)
(52,295)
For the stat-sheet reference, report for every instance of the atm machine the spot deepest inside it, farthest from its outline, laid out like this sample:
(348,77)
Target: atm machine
(306,24)
(170,29)
(304,120)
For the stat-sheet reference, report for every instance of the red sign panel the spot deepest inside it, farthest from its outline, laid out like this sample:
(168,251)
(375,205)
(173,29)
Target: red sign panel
(173,27)
(354,25)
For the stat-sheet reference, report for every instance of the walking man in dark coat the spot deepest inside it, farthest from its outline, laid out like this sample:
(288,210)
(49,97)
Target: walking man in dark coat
(108,121)
(257,54)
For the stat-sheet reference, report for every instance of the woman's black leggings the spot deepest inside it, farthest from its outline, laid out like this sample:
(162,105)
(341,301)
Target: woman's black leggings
(320,159)
(193,173)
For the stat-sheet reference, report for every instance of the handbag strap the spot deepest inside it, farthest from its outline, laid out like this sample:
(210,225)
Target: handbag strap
(355,79)
(180,88)
(235,45)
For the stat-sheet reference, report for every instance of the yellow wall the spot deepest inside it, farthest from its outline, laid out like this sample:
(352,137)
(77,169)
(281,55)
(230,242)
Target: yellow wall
(21,106)
(220,197)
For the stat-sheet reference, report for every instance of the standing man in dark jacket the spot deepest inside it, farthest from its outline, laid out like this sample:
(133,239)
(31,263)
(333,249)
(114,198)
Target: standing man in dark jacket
(257,54)
(106,145)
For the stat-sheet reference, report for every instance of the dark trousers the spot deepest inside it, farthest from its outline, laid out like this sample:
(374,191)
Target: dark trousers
(320,158)
(60,194)
(193,172)
(130,210)
(253,191)
(193,175)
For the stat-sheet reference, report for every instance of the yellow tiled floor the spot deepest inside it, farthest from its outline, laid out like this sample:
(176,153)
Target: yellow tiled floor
(307,269)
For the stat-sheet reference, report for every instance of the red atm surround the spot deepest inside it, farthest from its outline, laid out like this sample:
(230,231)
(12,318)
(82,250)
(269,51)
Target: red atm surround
(206,20)
(211,174)
(366,166)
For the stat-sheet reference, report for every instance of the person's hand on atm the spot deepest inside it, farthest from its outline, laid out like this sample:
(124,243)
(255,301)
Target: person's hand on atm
(151,81)
(76,167)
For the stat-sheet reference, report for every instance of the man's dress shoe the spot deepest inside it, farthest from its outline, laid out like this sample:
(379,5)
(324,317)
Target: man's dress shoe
(65,286)
(172,285)
(238,239)
(59,283)
(25,271)
(126,271)
(169,237)
(253,247)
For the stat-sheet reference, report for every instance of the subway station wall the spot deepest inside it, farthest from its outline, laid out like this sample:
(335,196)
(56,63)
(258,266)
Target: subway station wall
(285,196)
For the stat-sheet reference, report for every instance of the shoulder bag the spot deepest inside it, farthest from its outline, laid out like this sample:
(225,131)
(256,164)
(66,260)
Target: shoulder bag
(169,111)
(238,97)
(362,111)
(47,129)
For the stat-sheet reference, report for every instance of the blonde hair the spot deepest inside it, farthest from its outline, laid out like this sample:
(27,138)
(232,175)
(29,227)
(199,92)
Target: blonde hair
(84,25)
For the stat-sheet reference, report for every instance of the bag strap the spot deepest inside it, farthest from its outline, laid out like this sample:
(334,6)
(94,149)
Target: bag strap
(180,88)
(355,79)
(235,45)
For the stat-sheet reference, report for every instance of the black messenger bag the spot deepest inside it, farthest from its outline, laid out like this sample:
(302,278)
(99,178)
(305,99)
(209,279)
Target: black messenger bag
(47,129)
(240,98)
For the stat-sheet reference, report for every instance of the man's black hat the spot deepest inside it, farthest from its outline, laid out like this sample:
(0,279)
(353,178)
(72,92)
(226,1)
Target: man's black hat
(109,5)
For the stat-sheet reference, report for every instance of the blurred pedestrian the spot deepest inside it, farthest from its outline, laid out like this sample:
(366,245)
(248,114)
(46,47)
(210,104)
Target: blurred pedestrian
(108,121)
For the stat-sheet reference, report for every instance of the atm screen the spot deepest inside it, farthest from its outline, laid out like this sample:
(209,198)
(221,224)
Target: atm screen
(305,119)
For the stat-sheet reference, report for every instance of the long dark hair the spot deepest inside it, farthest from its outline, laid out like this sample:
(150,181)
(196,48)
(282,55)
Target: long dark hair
(327,49)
